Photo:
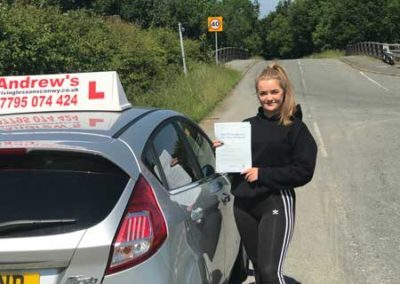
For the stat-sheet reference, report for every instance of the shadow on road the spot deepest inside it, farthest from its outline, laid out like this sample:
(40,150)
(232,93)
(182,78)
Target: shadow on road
(288,280)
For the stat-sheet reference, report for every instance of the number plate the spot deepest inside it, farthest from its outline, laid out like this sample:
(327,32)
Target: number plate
(19,278)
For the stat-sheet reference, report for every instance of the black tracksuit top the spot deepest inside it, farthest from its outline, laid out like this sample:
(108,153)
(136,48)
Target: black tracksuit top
(285,156)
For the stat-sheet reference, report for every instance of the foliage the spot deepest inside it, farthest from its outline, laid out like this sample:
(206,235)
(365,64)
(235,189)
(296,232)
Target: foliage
(39,41)
(391,21)
(45,41)
(303,20)
(295,29)
(241,25)
(201,91)
(327,54)
(302,27)
(340,25)
(241,17)
(160,13)
(280,36)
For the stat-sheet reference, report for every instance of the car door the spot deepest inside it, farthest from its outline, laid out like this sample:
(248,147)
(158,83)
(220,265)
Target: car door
(218,186)
(177,168)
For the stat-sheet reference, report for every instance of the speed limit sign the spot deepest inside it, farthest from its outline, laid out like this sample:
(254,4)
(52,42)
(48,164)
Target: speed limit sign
(215,24)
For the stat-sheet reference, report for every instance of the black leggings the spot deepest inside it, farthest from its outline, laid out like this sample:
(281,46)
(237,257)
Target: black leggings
(266,227)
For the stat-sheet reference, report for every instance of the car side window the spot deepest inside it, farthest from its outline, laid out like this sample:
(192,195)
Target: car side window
(174,159)
(200,147)
(151,162)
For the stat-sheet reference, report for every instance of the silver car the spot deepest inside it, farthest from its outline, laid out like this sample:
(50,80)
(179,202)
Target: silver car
(127,196)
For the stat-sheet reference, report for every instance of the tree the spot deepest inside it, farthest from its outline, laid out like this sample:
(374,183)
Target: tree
(349,21)
(276,33)
(303,17)
(391,21)
(241,25)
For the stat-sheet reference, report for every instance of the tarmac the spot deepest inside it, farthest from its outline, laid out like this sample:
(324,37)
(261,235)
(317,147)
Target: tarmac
(372,65)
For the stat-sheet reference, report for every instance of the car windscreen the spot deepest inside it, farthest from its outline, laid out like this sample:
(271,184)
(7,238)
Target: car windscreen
(53,192)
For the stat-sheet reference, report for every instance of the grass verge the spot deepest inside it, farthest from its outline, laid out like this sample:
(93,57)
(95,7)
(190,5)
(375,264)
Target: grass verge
(327,54)
(195,95)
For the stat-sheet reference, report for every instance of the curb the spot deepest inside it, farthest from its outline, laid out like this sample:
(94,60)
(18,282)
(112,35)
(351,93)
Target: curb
(358,67)
(251,66)
(247,67)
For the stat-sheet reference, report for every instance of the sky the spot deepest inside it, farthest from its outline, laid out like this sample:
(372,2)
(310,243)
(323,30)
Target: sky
(267,6)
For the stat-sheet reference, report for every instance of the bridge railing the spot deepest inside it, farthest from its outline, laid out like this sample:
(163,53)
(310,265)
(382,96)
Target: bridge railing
(376,49)
(231,53)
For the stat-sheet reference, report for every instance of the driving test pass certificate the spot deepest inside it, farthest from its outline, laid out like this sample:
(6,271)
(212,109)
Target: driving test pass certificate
(234,155)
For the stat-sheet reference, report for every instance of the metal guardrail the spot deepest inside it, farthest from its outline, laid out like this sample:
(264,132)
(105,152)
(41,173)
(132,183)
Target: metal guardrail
(388,52)
(231,53)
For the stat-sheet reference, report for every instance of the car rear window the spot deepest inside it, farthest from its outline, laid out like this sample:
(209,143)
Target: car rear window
(53,192)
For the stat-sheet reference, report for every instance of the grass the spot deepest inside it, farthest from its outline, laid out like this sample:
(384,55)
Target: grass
(197,94)
(327,54)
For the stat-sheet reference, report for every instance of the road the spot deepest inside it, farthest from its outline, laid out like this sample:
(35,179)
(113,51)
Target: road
(347,218)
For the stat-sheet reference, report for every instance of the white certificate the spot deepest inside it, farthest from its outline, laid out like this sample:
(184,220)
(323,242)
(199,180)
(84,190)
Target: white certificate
(235,154)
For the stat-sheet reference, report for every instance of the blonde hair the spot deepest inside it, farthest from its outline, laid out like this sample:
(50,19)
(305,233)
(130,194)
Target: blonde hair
(276,71)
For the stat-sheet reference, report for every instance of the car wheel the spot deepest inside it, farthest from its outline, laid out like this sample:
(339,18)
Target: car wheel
(240,268)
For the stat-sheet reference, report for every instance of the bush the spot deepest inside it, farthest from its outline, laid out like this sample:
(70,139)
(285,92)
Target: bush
(149,63)
(45,41)
(40,41)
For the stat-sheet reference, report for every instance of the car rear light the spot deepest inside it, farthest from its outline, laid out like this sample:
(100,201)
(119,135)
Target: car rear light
(13,151)
(142,230)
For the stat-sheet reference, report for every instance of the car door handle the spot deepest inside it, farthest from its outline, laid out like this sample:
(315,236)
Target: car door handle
(197,214)
(225,198)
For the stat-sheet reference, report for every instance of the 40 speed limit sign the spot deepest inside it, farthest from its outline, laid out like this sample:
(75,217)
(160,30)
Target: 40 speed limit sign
(215,24)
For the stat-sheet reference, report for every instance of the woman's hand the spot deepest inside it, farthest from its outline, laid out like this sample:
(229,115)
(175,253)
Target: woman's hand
(217,143)
(250,175)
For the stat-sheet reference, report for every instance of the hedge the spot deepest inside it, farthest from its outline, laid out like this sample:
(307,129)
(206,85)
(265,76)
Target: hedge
(46,41)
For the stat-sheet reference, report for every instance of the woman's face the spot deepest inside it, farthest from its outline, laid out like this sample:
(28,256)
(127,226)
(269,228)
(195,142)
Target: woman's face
(271,95)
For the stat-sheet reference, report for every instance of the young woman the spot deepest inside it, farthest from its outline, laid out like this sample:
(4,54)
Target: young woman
(283,157)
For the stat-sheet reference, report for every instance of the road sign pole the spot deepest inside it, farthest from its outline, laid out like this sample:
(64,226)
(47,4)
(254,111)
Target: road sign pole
(215,25)
(216,48)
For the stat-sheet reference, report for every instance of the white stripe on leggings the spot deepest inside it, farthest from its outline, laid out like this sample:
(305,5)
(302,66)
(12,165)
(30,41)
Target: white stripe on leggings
(287,200)
(290,199)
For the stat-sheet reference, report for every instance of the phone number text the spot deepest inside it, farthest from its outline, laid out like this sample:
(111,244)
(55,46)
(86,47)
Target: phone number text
(39,101)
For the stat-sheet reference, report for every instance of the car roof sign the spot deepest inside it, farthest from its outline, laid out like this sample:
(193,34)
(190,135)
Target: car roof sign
(96,91)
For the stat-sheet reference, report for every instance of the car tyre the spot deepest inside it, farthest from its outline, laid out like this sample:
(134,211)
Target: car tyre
(240,268)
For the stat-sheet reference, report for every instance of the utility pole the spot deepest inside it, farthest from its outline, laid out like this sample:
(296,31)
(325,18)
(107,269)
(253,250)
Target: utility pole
(182,49)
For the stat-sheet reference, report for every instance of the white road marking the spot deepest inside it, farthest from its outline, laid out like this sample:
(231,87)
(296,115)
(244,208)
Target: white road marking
(375,82)
(321,141)
(302,76)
